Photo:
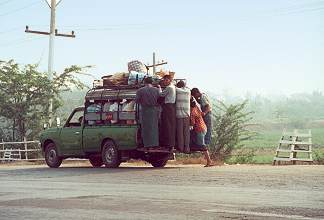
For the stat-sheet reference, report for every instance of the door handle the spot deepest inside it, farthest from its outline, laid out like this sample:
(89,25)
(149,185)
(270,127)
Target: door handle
(77,132)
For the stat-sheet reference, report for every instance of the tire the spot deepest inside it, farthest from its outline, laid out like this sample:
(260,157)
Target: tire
(95,161)
(110,155)
(159,160)
(53,160)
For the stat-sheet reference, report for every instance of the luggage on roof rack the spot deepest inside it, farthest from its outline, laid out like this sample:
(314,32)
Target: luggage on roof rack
(110,94)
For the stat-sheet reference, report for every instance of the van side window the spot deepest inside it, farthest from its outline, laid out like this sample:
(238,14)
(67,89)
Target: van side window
(128,113)
(76,119)
(119,112)
(110,111)
(93,114)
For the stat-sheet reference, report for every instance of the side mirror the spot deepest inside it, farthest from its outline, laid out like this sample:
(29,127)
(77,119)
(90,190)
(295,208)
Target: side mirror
(45,126)
(58,122)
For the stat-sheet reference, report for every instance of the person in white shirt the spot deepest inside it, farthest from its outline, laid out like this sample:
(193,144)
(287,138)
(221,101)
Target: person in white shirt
(168,115)
(129,106)
(114,108)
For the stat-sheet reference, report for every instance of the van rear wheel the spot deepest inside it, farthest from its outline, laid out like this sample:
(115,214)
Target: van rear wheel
(95,161)
(159,160)
(159,163)
(110,155)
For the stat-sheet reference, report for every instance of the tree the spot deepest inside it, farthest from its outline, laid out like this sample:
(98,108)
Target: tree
(229,129)
(25,93)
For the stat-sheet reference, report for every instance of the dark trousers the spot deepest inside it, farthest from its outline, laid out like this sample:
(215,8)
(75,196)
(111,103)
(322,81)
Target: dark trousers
(183,134)
(168,125)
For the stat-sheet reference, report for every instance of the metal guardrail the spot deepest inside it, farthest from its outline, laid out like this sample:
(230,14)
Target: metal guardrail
(20,150)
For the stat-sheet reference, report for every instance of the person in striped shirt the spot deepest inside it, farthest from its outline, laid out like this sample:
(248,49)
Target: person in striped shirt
(200,129)
(183,117)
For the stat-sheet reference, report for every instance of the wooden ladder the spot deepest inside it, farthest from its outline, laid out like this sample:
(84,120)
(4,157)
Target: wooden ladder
(291,144)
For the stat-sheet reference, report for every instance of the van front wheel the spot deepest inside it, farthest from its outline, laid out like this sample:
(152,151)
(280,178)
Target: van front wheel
(110,155)
(53,160)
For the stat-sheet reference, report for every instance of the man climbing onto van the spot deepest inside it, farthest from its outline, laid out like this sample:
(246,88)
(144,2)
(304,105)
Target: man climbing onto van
(147,98)
(206,109)
(199,130)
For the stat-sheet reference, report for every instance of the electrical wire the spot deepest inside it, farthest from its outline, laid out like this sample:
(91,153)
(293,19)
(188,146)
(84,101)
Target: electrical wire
(19,9)
(20,41)
(11,30)
(20,28)
(309,7)
(298,8)
(107,27)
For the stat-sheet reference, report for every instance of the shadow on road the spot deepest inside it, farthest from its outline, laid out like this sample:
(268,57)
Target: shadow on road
(78,170)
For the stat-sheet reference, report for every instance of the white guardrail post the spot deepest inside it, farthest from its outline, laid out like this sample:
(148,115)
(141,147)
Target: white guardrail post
(14,149)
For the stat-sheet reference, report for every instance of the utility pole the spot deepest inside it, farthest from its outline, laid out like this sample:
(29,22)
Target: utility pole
(154,65)
(53,32)
(51,56)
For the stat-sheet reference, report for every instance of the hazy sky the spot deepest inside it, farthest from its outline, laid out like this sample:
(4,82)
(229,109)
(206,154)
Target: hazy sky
(263,46)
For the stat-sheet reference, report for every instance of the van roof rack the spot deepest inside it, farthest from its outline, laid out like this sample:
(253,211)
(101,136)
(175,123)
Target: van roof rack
(120,87)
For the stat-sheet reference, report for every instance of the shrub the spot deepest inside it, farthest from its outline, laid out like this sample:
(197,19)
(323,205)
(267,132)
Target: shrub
(318,157)
(243,157)
(229,129)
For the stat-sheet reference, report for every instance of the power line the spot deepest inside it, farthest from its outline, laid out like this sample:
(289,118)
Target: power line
(108,27)
(304,10)
(94,28)
(19,28)
(19,41)
(11,30)
(299,8)
(19,9)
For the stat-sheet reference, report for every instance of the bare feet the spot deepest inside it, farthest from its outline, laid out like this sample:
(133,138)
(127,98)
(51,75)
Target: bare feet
(210,165)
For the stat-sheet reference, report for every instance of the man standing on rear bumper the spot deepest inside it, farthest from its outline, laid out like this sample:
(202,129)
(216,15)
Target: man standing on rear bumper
(147,97)
(183,117)
(168,115)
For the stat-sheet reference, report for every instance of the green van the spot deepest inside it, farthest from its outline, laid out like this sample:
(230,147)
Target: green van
(106,131)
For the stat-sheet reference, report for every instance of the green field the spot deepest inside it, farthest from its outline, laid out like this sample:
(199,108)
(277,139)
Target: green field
(270,138)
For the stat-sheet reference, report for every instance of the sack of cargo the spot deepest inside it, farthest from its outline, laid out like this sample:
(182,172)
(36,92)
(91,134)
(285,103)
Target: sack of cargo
(136,66)
(116,79)
(136,78)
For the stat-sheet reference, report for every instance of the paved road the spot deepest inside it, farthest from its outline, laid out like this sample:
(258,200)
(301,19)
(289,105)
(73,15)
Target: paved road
(175,192)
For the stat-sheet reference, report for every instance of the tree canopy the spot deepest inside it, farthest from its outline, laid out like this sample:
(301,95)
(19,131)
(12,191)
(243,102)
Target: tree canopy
(25,93)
